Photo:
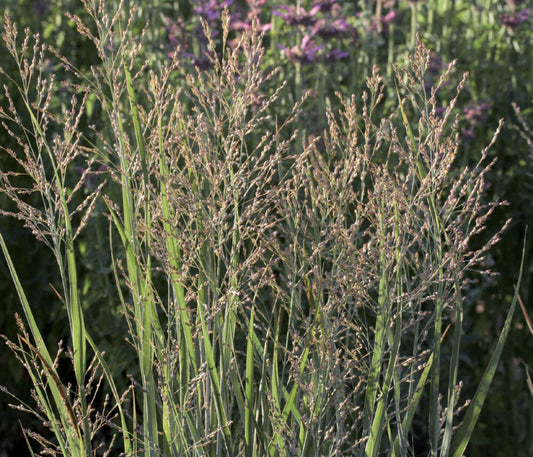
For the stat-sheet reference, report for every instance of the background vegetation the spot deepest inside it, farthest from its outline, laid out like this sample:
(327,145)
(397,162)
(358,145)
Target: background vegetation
(310,50)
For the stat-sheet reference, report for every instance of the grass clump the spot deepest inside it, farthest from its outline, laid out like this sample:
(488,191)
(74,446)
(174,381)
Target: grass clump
(284,294)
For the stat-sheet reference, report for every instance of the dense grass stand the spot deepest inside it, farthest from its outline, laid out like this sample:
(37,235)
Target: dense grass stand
(284,291)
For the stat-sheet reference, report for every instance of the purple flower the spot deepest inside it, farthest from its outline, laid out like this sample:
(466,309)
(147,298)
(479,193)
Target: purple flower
(513,20)
(41,7)
(325,6)
(475,115)
(176,33)
(242,19)
(468,134)
(90,176)
(305,53)
(381,23)
(255,5)
(439,112)
(389,17)
(238,25)
(335,55)
(210,10)
(337,29)
(200,62)
(292,16)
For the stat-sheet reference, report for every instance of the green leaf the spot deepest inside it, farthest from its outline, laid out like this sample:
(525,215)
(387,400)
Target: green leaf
(464,433)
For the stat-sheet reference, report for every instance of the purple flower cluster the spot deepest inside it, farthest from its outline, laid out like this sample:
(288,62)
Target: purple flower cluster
(244,19)
(307,51)
(210,10)
(298,16)
(327,6)
(41,7)
(178,36)
(193,46)
(322,27)
(304,53)
(475,116)
(379,24)
(338,28)
(334,55)
(434,71)
(514,19)
(91,177)
(319,26)
(323,21)
(384,21)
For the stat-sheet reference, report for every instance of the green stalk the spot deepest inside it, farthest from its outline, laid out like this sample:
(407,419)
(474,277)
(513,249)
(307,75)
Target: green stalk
(126,435)
(145,315)
(379,334)
(390,54)
(227,347)
(76,312)
(377,416)
(399,293)
(212,369)
(464,432)
(434,413)
(187,354)
(183,330)
(374,440)
(275,389)
(249,405)
(438,232)
(452,377)
(74,308)
(74,439)
(414,12)
(414,401)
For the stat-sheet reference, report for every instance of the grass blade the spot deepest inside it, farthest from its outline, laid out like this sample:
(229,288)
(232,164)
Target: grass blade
(58,392)
(465,430)
(249,403)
